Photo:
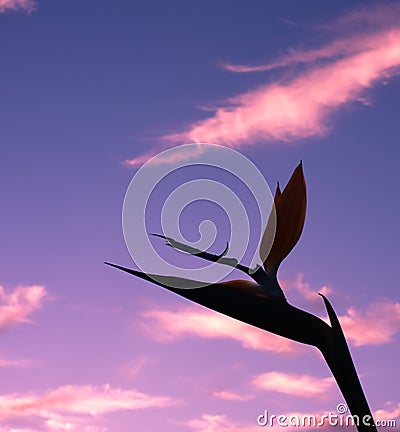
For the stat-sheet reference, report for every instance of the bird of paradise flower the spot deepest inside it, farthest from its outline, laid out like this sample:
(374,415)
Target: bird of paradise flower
(262,303)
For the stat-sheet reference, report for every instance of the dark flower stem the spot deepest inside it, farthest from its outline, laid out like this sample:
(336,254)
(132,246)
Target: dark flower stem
(338,358)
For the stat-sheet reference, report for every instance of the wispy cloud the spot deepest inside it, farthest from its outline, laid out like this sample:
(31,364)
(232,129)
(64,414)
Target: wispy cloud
(295,385)
(186,153)
(26,5)
(378,324)
(300,108)
(333,75)
(336,50)
(305,290)
(18,305)
(376,16)
(362,26)
(221,423)
(130,370)
(73,407)
(218,423)
(231,396)
(19,363)
(13,429)
(165,326)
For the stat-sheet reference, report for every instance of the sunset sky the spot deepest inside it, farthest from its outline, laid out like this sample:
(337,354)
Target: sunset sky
(89,91)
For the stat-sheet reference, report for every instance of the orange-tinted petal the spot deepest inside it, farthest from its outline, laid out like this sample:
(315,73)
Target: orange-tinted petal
(290,208)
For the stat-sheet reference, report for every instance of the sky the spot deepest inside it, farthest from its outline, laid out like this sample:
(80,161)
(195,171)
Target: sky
(90,91)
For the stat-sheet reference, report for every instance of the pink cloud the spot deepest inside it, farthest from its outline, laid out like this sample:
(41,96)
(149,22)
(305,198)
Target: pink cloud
(130,370)
(12,429)
(71,407)
(139,160)
(219,423)
(300,108)
(335,50)
(60,425)
(375,21)
(17,306)
(332,76)
(227,395)
(27,5)
(168,158)
(389,413)
(375,16)
(165,326)
(306,291)
(208,422)
(377,325)
(20,363)
(296,385)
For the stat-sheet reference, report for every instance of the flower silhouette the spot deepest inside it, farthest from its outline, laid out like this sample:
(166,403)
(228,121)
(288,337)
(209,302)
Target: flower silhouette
(262,303)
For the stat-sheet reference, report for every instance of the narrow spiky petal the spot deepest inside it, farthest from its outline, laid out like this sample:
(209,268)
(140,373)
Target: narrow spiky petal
(290,208)
(277,191)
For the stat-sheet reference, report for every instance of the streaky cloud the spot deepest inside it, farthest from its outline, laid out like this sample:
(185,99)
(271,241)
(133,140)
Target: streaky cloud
(18,363)
(170,325)
(231,396)
(300,108)
(73,407)
(23,5)
(294,384)
(363,51)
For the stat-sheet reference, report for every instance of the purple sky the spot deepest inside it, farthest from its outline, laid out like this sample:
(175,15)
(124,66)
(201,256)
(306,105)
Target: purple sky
(88,92)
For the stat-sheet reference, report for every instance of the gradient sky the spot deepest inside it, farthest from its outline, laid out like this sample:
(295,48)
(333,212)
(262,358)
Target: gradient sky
(88,92)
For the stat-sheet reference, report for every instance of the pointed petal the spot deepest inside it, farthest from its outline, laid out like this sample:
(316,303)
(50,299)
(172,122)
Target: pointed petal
(173,283)
(290,207)
(277,191)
